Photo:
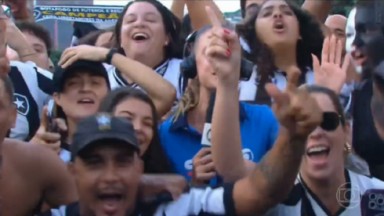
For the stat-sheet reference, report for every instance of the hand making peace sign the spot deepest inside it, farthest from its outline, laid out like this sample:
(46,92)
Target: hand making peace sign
(295,109)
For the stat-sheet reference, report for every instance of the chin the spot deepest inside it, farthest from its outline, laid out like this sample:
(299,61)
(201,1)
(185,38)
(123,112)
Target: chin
(320,175)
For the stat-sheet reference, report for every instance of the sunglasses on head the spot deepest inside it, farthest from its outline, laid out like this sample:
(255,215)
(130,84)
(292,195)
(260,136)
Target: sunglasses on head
(331,121)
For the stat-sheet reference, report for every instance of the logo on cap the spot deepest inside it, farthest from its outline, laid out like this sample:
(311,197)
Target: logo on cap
(104,122)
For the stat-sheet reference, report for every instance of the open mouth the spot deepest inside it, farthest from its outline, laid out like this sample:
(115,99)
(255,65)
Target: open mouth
(86,101)
(110,202)
(318,151)
(278,26)
(140,36)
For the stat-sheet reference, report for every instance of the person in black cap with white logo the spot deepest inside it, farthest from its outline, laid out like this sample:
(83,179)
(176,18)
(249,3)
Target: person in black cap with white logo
(107,169)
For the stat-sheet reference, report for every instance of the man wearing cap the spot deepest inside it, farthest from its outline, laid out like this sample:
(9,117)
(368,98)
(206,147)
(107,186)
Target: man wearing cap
(107,168)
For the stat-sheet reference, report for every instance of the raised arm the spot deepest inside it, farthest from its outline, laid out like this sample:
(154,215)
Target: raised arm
(297,112)
(160,90)
(199,19)
(177,8)
(318,8)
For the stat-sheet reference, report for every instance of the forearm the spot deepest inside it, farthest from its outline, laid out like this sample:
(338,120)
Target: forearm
(273,177)
(318,8)
(226,140)
(198,17)
(177,8)
(160,90)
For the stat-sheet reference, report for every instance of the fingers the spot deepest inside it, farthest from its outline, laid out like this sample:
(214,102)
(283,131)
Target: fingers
(339,51)
(50,137)
(205,176)
(203,152)
(293,75)
(316,63)
(61,124)
(44,118)
(325,51)
(277,96)
(68,57)
(332,49)
(213,19)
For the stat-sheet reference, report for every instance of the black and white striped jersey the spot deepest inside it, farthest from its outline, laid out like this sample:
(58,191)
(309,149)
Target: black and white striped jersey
(169,70)
(302,201)
(33,89)
(205,201)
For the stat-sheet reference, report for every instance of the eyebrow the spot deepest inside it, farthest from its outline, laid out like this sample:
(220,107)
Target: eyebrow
(283,6)
(130,113)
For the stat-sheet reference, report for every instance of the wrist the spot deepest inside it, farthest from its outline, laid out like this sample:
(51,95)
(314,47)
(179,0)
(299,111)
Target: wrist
(109,55)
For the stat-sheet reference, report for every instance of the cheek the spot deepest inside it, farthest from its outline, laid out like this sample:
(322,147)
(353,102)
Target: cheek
(261,30)
(124,36)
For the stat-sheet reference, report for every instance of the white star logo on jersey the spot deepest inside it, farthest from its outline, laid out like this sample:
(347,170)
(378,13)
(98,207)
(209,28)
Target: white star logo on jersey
(104,122)
(21,103)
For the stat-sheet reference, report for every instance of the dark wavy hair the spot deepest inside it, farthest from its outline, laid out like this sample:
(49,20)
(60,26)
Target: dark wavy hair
(311,43)
(155,159)
(171,23)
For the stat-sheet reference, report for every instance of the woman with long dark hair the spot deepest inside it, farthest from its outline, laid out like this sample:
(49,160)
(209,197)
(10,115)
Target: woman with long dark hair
(137,107)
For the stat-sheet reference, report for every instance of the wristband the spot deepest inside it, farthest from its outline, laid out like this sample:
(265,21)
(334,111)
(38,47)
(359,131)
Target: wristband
(111,53)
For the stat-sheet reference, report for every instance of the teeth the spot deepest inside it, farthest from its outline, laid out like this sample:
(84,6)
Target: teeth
(140,35)
(317,149)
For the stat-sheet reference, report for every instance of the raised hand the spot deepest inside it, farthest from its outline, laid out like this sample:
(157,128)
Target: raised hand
(43,136)
(330,73)
(82,52)
(295,109)
(223,50)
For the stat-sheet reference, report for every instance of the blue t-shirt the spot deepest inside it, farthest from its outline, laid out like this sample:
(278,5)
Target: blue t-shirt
(181,142)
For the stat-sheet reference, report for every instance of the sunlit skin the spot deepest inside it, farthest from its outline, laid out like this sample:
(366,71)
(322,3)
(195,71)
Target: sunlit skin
(337,25)
(79,87)
(143,17)
(140,114)
(107,176)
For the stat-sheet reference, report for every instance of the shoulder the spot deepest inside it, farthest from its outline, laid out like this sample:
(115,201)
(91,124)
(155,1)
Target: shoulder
(30,67)
(258,111)
(365,182)
(32,157)
(175,61)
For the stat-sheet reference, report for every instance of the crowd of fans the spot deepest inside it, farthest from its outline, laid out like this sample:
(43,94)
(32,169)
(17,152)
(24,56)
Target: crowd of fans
(173,114)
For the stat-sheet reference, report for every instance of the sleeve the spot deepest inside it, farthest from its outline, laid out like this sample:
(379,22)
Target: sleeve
(206,201)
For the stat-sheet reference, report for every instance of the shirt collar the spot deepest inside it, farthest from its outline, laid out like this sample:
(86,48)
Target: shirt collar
(181,122)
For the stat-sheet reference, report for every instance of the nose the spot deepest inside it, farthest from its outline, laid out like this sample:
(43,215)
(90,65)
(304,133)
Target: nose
(277,14)
(139,22)
(137,125)
(316,134)
(87,86)
(110,174)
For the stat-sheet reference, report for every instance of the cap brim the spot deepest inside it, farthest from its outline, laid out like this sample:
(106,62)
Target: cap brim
(89,141)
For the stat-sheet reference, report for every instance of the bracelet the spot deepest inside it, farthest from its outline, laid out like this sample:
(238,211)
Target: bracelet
(111,53)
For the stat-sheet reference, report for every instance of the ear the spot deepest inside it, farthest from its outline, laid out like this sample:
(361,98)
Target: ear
(56,98)
(348,131)
(166,43)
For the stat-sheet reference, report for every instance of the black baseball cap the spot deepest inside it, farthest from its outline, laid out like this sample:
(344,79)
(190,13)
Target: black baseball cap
(102,126)
(61,74)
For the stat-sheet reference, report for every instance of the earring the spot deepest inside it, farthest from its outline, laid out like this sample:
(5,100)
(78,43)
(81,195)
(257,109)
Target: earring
(347,148)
